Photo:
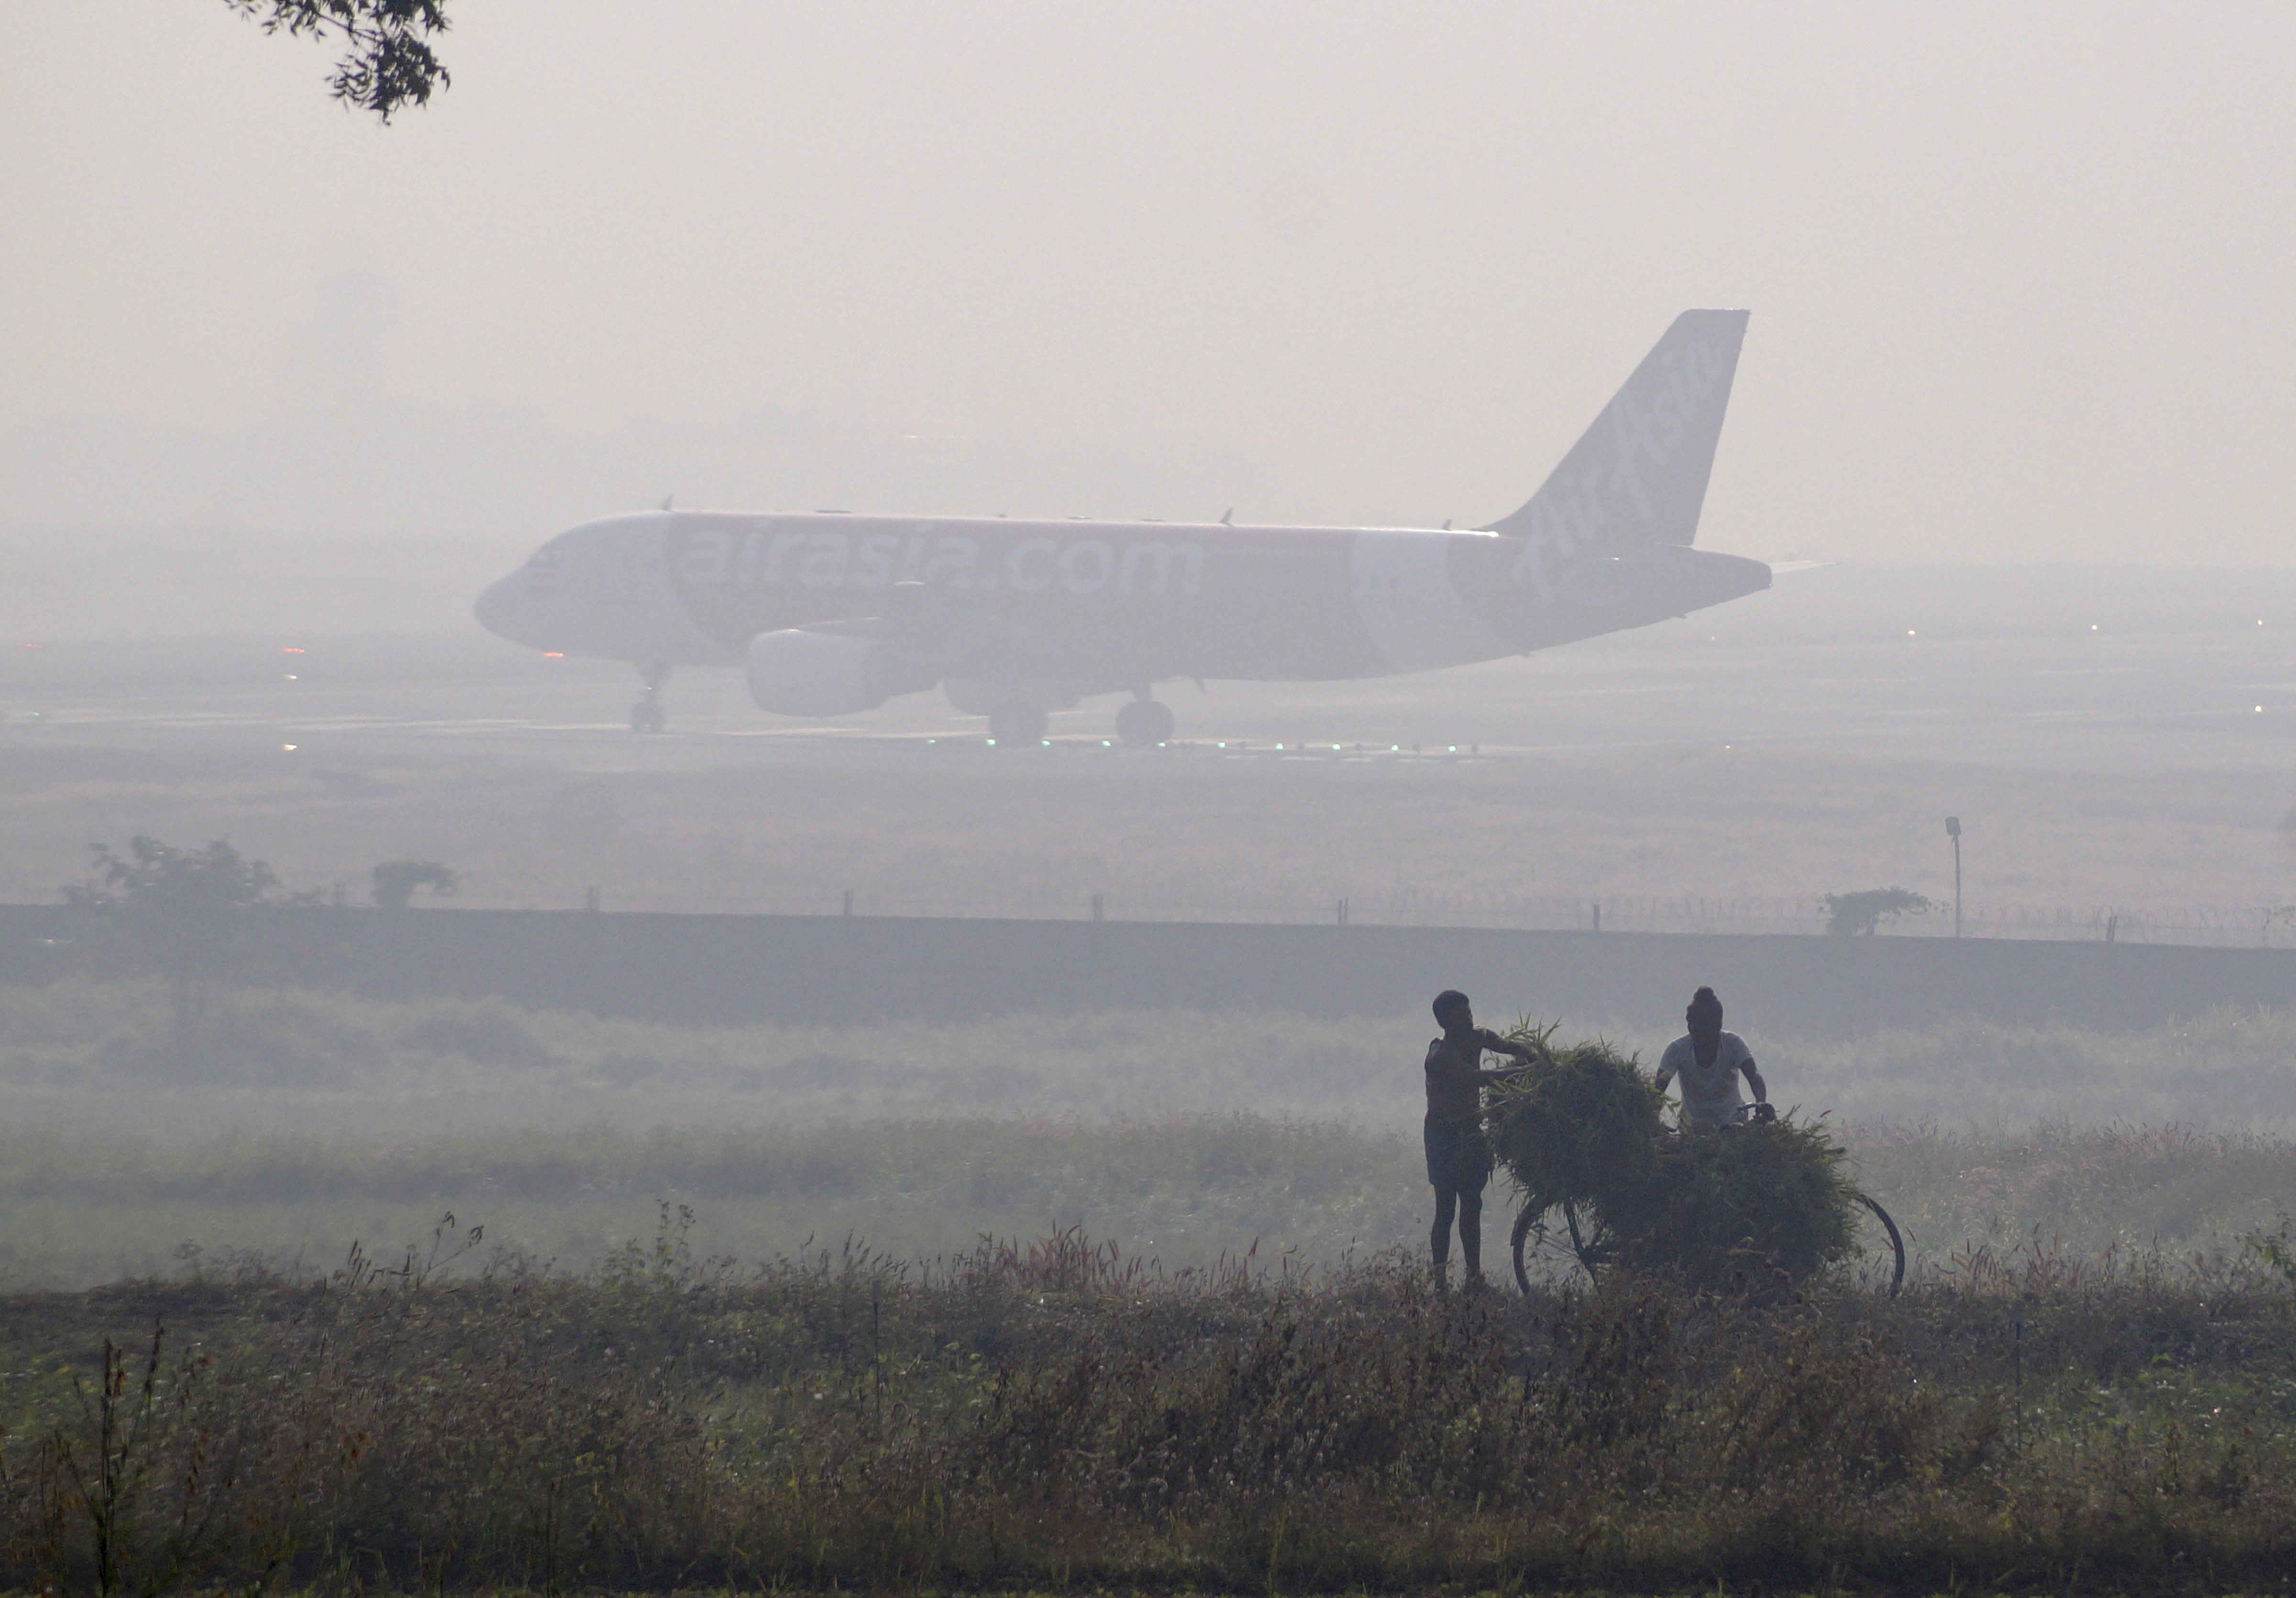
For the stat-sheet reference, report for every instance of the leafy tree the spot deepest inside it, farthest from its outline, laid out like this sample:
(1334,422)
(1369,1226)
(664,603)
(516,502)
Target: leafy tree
(1848,915)
(180,903)
(396,880)
(387,61)
(165,880)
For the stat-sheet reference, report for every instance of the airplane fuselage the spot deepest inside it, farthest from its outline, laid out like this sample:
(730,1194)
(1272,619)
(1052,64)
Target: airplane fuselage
(1104,605)
(833,613)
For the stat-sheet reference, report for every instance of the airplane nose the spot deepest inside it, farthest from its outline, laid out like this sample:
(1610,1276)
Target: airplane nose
(497,607)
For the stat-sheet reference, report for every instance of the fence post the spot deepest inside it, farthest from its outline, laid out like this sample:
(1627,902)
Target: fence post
(1343,912)
(1598,916)
(590,900)
(1099,907)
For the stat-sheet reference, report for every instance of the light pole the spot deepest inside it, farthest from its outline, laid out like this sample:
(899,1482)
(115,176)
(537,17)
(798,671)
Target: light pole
(1953,830)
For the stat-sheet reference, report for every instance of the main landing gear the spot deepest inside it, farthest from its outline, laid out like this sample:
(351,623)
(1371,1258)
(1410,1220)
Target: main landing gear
(1019,722)
(650,714)
(1145,722)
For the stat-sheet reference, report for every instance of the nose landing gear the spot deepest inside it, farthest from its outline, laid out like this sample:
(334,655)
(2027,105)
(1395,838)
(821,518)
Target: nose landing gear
(1145,722)
(650,714)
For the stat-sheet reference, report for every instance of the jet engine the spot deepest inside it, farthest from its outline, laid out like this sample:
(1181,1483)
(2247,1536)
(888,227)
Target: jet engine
(802,672)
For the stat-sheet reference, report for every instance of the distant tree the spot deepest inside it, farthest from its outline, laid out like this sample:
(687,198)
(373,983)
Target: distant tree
(1849,915)
(387,61)
(396,880)
(180,903)
(164,879)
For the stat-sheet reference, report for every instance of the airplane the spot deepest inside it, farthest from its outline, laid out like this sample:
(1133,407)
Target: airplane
(831,614)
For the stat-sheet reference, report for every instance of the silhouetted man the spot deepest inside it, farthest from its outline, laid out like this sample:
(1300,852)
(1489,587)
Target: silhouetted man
(1710,1063)
(1458,1160)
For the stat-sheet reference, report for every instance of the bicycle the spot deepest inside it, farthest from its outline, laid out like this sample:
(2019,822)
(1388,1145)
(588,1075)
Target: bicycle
(1590,1253)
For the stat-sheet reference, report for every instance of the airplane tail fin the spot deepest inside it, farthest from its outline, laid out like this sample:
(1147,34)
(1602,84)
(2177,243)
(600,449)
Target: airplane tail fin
(1637,477)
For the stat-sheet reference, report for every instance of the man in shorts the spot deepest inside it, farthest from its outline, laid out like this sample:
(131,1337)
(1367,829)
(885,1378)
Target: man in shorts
(1710,1063)
(1458,1160)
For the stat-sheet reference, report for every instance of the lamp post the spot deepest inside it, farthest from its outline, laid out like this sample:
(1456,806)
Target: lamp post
(1953,830)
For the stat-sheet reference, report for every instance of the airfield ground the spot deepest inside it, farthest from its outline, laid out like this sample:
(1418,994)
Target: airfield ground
(2118,742)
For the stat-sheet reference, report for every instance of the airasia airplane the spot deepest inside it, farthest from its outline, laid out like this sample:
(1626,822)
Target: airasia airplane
(833,613)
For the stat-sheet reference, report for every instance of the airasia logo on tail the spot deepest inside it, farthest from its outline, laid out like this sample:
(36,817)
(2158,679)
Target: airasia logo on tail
(1634,467)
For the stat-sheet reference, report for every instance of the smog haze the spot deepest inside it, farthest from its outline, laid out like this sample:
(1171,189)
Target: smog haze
(2019,276)
(849,878)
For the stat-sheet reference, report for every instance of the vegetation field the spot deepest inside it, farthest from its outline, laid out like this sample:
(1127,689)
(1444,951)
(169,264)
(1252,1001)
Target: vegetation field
(107,1055)
(1048,1416)
(1130,1299)
(291,1124)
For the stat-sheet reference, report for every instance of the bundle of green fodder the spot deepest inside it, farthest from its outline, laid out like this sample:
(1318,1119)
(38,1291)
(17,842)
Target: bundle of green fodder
(1739,1207)
(1585,1120)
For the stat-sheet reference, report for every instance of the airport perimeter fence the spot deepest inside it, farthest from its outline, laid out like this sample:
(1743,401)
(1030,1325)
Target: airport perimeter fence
(2205,927)
(2245,926)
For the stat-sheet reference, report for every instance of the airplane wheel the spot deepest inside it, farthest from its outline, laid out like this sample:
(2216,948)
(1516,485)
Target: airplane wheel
(1145,722)
(1018,724)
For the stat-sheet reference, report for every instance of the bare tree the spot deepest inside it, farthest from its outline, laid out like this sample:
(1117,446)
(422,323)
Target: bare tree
(387,61)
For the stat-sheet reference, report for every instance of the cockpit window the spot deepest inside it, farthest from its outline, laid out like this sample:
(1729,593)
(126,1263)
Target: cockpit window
(547,558)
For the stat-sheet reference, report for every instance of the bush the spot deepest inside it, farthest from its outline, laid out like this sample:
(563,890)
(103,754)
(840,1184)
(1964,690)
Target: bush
(1860,913)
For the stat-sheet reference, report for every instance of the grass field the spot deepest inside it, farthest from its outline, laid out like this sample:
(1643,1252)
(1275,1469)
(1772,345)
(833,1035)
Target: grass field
(93,1055)
(296,1122)
(1130,1300)
(1045,1417)
(938,832)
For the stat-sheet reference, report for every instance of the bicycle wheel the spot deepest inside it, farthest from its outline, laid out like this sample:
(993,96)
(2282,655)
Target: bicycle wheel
(1523,1222)
(1897,1243)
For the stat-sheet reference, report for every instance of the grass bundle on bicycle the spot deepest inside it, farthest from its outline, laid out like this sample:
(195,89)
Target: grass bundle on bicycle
(1585,1135)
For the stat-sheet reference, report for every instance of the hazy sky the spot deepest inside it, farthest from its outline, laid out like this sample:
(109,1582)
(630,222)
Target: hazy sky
(2021,275)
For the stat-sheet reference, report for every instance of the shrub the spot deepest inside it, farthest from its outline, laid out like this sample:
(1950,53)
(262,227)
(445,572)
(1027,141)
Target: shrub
(396,880)
(1852,914)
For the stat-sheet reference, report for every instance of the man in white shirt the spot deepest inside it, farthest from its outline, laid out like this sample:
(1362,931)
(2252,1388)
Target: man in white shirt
(1710,1061)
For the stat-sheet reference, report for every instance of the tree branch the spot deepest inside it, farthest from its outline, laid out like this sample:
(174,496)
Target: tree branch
(387,62)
